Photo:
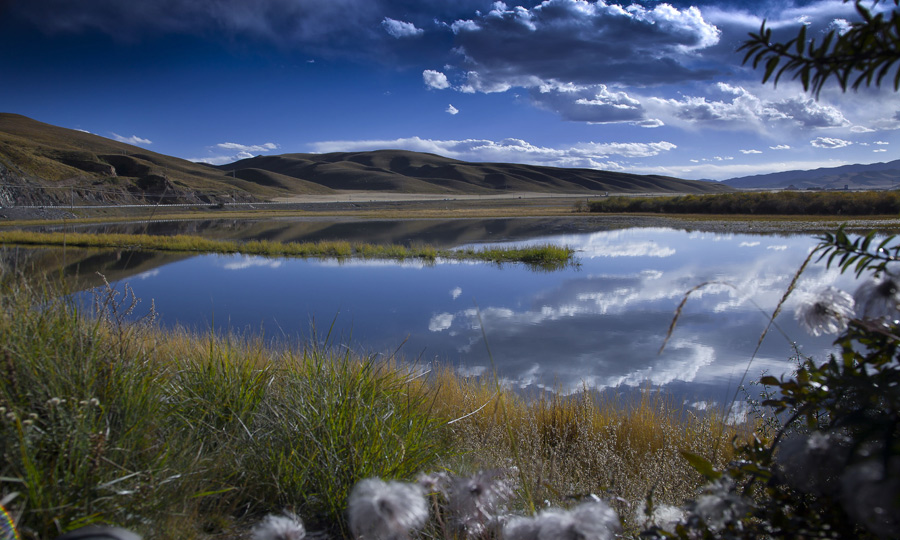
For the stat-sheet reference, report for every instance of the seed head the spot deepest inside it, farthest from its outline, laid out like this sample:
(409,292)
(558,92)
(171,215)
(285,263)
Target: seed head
(274,527)
(878,299)
(826,312)
(380,510)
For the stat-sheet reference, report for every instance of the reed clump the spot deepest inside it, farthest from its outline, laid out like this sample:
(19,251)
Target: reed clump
(105,417)
(828,203)
(543,257)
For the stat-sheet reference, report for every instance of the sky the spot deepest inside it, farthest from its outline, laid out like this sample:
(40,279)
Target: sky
(647,87)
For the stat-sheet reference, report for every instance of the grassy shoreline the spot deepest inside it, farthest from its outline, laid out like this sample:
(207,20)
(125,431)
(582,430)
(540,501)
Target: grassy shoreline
(183,435)
(542,256)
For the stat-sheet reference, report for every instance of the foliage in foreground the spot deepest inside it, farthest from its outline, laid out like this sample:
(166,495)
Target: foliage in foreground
(176,435)
(831,468)
(867,203)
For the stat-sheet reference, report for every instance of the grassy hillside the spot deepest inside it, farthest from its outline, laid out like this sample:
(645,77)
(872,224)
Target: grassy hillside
(49,165)
(401,170)
(66,163)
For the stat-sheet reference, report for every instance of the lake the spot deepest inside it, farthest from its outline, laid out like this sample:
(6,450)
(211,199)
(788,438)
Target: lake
(599,325)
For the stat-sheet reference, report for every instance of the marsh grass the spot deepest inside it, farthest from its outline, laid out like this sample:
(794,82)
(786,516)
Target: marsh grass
(867,203)
(544,257)
(176,434)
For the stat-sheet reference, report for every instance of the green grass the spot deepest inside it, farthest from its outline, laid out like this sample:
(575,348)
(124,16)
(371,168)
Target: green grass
(547,257)
(179,435)
(867,203)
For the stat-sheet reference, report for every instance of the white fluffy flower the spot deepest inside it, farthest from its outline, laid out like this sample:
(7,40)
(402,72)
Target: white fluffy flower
(826,312)
(593,520)
(285,527)
(720,505)
(380,510)
(878,299)
(477,502)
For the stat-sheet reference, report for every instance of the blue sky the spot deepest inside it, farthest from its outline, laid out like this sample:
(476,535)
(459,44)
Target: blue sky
(646,87)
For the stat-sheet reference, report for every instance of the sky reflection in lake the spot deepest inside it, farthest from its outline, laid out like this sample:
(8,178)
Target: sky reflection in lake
(600,325)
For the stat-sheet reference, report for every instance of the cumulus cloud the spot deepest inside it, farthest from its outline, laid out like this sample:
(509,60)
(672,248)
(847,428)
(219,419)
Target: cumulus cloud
(751,151)
(595,104)
(781,147)
(234,152)
(587,155)
(739,108)
(401,29)
(602,44)
(829,142)
(134,139)
(452,110)
(267,147)
(435,79)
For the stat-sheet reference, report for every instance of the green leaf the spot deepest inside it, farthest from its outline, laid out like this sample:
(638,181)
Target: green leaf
(701,465)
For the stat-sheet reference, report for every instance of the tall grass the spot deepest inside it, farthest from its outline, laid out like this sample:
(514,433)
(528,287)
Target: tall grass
(179,435)
(546,257)
(865,203)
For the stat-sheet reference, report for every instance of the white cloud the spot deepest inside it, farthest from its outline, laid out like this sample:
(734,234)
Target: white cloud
(267,147)
(134,139)
(455,293)
(879,150)
(882,142)
(751,151)
(586,155)
(861,129)
(741,109)
(440,322)
(780,147)
(236,151)
(435,79)
(400,29)
(829,142)
(452,110)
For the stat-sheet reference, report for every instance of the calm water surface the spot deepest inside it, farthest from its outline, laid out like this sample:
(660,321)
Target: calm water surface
(599,325)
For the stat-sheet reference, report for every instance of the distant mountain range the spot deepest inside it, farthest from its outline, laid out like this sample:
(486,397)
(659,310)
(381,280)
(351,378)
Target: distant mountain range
(45,164)
(872,176)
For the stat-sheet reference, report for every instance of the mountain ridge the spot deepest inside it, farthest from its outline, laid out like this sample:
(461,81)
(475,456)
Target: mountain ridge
(881,175)
(46,164)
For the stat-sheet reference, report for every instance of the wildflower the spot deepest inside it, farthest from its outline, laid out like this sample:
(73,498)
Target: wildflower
(380,510)
(284,527)
(53,402)
(878,299)
(94,402)
(434,482)
(826,312)
(811,464)
(593,520)
(475,503)
(663,516)
(720,505)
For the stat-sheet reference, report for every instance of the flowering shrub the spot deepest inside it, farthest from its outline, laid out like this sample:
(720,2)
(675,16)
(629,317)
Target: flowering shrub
(832,469)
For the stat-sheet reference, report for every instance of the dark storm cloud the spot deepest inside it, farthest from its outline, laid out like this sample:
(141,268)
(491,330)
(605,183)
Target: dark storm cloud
(583,43)
(347,25)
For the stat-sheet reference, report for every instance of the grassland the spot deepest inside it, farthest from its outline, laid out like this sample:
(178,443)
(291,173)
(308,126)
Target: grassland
(792,203)
(178,435)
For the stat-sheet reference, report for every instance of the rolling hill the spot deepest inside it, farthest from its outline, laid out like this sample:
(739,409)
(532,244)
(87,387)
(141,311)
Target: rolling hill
(872,176)
(45,164)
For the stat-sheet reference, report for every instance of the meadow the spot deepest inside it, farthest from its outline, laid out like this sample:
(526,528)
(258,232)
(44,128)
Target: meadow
(106,417)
